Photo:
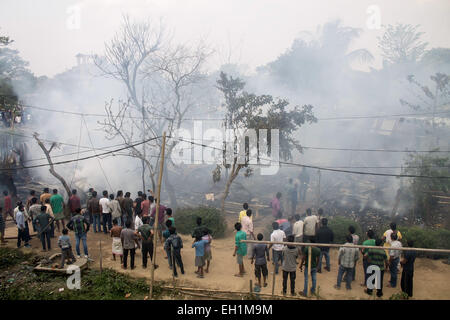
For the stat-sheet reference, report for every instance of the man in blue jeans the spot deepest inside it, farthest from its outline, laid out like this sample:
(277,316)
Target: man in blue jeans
(394,258)
(315,253)
(80,226)
(43,221)
(347,259)
(277,235)
(95,209)
(324,235)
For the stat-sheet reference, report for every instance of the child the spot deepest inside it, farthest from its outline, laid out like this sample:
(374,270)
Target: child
(208,255)
(66,248)
(166,235)
(260,251)
(290,254)
(240,248)
(199,246)
(174,245)
(169,216)
(117,242)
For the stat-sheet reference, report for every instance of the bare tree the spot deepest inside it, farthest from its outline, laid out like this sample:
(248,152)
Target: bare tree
(124,60)
(161,81)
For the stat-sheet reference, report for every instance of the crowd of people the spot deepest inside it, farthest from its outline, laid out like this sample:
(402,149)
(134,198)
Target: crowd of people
(130,224)
(314,229)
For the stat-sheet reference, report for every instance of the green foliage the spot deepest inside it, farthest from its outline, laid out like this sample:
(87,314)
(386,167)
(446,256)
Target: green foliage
(340,225)
(211,218)
(427,238)
(399,296)
(108,285)
(11,257)
(426,165)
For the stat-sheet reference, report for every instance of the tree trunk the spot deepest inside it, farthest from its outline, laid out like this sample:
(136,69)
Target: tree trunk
(52,170)
(234,172)
(170,191)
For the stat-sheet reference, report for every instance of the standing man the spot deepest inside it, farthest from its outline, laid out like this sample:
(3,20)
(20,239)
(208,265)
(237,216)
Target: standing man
(129,244)
(315,253)
(42,221)
(290,254)
(57,204)
(408,269)
(240,248)
(277,251)
(80,226)
(243,212)
(310,226)
(106,214)
(21,227)
(137,204)
(298,228)
(145,233)
(35,210)
(95,210)
(127,212)
(145,206)
(304,182)
(324,235)
(161,211)
(369,242)
(347,259)
(114,208)
(45,195)
(394,259)
(74,202)
(275,204)
(7,207)
(378,258)
(247,227)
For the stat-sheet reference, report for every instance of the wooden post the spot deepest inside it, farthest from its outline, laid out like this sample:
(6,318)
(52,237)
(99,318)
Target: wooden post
(155,226)
(173,267)
(101,257)
(273,278)
(309,271)
(318,191)
(251,287)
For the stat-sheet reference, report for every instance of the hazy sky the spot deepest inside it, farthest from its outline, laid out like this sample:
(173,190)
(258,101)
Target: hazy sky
(253,31)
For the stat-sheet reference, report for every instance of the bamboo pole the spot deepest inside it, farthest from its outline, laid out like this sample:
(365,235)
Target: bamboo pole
(155,226)
(273,278)
(309,271)
(251,287)
(331,245)
(101,257)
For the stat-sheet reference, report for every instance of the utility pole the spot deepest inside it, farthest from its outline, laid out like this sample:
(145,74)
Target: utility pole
(155,226)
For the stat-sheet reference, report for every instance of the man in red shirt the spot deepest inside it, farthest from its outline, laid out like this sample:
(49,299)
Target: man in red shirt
(74,202)
(161,221)
(145,206)
(7,206)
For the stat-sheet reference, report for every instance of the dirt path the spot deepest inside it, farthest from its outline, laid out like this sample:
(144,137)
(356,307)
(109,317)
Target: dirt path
(431,279)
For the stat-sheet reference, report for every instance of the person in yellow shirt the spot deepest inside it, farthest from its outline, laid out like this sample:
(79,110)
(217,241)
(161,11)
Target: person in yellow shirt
(387,236)
(243,213)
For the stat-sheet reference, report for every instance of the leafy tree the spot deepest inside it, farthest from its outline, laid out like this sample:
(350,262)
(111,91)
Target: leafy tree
(402,43)
(422,189)
(249,111)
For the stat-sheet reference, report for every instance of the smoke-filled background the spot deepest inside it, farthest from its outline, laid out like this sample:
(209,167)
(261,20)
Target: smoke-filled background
(344,58)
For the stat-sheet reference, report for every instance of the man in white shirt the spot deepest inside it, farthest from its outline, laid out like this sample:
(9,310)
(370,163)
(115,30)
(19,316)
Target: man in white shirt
(310,226)
(297,230)
(394,258)
(277,251)
(20,220)
(247,227)
(106,213)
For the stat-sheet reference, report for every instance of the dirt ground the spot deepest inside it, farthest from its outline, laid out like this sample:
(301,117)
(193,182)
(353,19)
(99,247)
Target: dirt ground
(431,278)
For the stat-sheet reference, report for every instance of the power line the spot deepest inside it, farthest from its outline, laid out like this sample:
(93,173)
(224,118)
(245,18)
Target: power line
(357,117)
(80,159)
(331,169)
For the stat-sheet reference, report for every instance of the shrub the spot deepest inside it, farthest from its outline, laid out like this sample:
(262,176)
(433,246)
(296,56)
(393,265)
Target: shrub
(185,220)
(427,238)
(10,257)
(340,225)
